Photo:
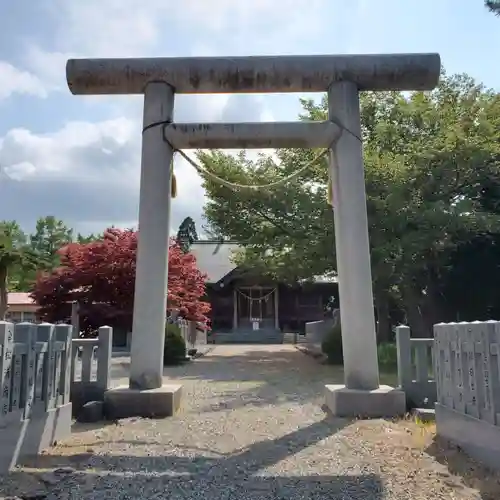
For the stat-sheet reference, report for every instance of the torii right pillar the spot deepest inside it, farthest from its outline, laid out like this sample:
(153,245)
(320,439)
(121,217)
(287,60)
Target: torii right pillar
(362,395)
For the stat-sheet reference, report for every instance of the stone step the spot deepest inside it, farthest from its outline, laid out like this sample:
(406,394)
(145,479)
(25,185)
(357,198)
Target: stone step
(293,338)
(267,336)
(424,415)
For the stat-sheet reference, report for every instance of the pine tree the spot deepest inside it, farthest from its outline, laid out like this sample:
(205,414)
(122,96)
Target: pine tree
(493,6)
(187,235)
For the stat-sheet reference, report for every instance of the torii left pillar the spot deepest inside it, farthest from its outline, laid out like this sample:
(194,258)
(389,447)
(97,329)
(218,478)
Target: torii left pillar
(146,394)
(150,297)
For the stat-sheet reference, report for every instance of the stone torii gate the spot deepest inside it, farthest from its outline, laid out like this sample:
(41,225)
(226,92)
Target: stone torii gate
(342,77)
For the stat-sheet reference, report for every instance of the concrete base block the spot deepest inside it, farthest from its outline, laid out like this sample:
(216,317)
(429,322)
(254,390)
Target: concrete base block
(123,402)
(478,438)
(424,415)
(382,402)
(91,412)
(83,392)
(25,438)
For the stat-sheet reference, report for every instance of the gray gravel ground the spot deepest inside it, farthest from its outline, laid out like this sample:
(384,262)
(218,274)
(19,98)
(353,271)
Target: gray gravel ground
(252,427)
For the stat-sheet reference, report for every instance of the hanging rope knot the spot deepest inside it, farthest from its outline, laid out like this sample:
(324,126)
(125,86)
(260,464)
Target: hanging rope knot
(173,180)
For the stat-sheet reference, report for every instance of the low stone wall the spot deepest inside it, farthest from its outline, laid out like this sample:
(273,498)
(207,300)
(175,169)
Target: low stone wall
(467,370)
(316,331)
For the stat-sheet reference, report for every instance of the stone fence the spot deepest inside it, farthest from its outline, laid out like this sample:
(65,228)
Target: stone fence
(416,368)
(467,361)
(45,376)
(316,332)
(457,373)
(91,368)
(35,381)
(462,383)
(193,337)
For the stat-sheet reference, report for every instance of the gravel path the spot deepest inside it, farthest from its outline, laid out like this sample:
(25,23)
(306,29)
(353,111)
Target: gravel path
(252,427)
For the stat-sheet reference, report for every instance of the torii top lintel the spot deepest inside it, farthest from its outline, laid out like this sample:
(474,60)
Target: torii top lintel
(215,75)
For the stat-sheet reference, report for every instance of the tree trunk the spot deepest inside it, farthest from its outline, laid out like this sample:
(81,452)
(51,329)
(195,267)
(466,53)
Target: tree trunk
(4,302)
(383,317)
(436,310)
(412,301)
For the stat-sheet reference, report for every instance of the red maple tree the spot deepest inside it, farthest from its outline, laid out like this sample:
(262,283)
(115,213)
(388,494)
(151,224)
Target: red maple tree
(101,275)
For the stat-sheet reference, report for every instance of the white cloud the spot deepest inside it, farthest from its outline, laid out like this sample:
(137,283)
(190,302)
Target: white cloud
(126,28)
(88,172)
(77,152)
(84,171)
(108,28)
(16,81)
(48,66)
(129,28)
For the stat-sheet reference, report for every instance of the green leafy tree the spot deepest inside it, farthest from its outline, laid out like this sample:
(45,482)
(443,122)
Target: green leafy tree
(50,236)
(82,239)
(15,255)
(428,158)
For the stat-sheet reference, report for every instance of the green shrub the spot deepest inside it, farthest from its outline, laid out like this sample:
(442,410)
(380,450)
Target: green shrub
(172,328)
(174,351)
(387,356)
(332,346)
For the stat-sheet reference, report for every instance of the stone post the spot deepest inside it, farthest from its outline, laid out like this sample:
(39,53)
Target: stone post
(150,297)
(75,319)
(104,351)
(403,342)
(63,334)
(46,333)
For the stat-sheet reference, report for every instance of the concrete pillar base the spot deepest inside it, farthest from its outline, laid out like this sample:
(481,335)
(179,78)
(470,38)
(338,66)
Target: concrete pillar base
(382,402)
(123,402)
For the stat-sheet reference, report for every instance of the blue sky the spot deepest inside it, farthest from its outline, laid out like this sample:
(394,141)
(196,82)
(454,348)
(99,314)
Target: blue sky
(78,157)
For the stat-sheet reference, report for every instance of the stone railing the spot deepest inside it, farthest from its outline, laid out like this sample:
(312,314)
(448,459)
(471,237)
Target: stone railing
(316,332)
(35,381)
(416,368)
(193,337)
(467,360)
(91,368)
(44,376)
